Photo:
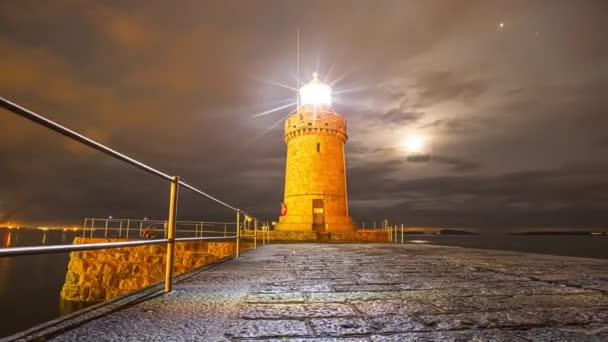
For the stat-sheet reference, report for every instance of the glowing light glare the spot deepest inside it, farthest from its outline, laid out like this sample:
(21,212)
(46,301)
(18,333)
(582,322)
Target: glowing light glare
(414,145)
(315,92)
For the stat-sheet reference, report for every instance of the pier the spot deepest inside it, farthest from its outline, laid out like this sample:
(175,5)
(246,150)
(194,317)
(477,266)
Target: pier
(360,292)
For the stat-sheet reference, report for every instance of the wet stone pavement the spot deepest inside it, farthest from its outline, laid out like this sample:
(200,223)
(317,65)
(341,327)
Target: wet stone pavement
(372,292)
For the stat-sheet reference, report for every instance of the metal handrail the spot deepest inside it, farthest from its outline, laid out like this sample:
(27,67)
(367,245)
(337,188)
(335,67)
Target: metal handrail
(170,223)
(39,119)
(126,225)
(205,238)
(33,250)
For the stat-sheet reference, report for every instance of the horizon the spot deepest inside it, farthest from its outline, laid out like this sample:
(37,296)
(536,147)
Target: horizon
(425,230)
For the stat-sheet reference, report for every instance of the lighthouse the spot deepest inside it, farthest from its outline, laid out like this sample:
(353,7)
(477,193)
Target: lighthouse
(315,197)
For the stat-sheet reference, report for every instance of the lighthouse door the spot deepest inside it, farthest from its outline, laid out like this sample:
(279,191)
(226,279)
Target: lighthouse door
(318,215)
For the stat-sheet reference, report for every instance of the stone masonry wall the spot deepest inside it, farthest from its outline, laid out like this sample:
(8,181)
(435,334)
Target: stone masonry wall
(360,235)
(357,235)
(106,273)
(286,235)
(315,169)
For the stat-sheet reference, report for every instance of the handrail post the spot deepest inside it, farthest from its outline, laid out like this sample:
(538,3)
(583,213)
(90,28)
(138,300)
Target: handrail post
(238,232)
(255,234)
(201,229)
(225,230)
(395,229)
(171,234)
(92,226)
(120,229)
(84,228)
(128,224)
(106,232)
(402,233)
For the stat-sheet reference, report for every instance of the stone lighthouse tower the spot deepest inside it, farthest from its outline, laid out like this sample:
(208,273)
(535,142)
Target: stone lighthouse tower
(315,173)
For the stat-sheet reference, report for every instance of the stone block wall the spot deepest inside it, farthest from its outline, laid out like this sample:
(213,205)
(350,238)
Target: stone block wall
(360,235)
(315,170)
(106,273)
(357,235)
(287,235)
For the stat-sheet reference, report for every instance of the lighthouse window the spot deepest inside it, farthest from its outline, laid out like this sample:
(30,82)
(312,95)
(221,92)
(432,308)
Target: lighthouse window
(318,147)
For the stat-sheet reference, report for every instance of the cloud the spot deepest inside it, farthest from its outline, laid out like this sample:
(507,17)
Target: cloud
(456,164)
(400,117)
(439,86)
(517,199)
(175,87)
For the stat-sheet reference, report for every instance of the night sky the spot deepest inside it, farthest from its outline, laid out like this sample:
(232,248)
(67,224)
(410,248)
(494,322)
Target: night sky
(511,97)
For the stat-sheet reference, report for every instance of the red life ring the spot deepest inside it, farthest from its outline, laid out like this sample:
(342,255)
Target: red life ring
(283,209)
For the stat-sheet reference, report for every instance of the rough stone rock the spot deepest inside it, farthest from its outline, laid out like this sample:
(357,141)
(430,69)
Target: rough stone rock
(103,274)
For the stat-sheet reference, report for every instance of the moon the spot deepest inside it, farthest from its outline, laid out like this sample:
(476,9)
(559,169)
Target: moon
(415,144)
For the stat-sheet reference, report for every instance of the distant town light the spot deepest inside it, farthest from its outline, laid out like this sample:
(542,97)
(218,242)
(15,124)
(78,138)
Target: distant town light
(315,92)
(110,217)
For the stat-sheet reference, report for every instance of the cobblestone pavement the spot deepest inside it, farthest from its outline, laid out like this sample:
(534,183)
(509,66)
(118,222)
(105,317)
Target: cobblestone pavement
(373,292)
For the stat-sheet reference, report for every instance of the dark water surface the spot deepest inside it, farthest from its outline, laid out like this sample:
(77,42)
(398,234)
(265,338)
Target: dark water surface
(586,246)
(30,285)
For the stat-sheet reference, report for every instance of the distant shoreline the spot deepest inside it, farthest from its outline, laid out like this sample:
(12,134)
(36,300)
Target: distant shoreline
(562,233)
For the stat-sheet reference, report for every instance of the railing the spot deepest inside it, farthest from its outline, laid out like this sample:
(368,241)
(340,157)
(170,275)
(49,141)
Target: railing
(169,233)
(144,228)
(395,232)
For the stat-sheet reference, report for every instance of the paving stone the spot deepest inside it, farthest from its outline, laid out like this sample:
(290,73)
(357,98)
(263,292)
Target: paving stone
(393,307)
(488,277)
(481,320)
(393,324)
(341,297)
(567,316)
(315,339)
(263,311)
(365,287)
(589,333)
(263,288)
(339,326)
(470,304)
(366,292)
(266,328)
(450,336)
(528,290)
(354,326)
(265,298)
(565,300)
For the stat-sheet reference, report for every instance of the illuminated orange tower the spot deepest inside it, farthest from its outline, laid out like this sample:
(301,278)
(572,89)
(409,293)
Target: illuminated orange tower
(315,171)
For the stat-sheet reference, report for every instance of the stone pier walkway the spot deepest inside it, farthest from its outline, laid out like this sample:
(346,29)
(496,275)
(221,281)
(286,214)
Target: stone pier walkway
(372,292)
